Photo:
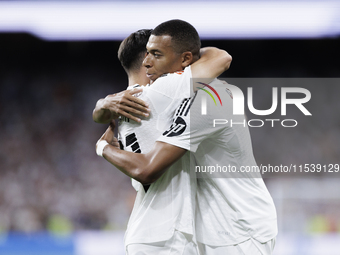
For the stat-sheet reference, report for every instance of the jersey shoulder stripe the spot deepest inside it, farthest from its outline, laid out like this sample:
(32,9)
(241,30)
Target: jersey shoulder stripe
(191,101)
(181,108)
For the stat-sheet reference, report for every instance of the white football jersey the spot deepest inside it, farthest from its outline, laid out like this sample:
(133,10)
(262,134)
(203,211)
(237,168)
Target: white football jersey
(232,205)
(168,204)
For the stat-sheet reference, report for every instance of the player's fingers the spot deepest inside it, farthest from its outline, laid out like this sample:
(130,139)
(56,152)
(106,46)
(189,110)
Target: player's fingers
(115,142)
(109,134)
(133,110)
(135,90)
(129,116)
(137,107)
(136,99)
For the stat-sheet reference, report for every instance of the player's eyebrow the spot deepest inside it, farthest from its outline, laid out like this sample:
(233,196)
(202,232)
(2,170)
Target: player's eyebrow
(152,51)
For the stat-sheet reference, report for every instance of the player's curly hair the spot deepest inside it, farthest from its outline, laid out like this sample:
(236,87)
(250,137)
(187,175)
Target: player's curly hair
(132,50)
(184,36)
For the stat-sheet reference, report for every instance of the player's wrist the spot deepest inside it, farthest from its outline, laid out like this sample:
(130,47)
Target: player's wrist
(100,147)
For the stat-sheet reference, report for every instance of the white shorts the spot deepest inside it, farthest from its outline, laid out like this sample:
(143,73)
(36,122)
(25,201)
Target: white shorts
(179,244)
(249,247)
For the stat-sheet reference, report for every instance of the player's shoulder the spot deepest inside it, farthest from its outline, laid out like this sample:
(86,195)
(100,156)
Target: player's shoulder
(177,74)
(218,82)
(216,86)
(173,82)
(223,86)
(181,72)
(133,86)
(216,94)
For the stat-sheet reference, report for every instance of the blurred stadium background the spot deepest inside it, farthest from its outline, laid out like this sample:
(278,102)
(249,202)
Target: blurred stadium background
(57,58)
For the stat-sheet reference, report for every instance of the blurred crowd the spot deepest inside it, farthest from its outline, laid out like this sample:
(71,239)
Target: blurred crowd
(48,166)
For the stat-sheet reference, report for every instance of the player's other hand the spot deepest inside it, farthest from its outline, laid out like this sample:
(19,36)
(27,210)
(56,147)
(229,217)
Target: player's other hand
(114,141)
(109,136)
(121,104)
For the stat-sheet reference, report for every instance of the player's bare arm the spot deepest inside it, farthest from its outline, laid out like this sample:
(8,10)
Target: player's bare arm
(120,104)
(213,62)
(145,168)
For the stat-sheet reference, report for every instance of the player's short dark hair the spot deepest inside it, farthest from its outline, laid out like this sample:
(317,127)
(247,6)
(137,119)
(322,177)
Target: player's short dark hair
(132,50)
(184,36)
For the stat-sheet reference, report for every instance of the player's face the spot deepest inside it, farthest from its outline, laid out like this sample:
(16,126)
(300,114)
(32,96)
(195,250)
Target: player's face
(161,57)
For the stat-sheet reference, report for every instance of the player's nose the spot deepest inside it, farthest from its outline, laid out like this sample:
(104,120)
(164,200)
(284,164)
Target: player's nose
(147,61)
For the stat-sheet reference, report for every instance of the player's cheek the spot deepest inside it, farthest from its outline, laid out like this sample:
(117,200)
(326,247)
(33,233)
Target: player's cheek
(163,66)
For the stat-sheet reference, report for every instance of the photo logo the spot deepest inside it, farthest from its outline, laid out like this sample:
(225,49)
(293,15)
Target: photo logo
(204,100)
(213,90)
(238,103)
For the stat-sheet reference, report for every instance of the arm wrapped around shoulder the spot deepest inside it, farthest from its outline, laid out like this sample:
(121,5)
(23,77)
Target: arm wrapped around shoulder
(213,62)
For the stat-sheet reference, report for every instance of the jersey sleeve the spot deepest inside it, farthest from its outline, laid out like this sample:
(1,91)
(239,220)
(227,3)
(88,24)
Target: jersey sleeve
(191,125)
(166,93)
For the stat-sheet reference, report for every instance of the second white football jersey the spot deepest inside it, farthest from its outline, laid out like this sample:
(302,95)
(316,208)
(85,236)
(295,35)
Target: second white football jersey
(168,204)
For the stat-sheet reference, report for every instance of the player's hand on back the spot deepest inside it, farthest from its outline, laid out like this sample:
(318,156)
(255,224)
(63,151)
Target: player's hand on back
(125,104)
(121,104)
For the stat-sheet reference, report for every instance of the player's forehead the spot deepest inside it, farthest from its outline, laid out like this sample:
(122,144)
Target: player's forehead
(159,43)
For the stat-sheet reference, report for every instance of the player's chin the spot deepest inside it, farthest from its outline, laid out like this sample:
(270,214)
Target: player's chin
(153,77)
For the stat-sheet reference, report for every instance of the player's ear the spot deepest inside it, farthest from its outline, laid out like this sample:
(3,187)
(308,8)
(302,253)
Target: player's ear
(187,59)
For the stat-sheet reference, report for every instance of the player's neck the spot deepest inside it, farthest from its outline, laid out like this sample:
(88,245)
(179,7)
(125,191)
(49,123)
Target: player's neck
(135,80)
(138,78)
